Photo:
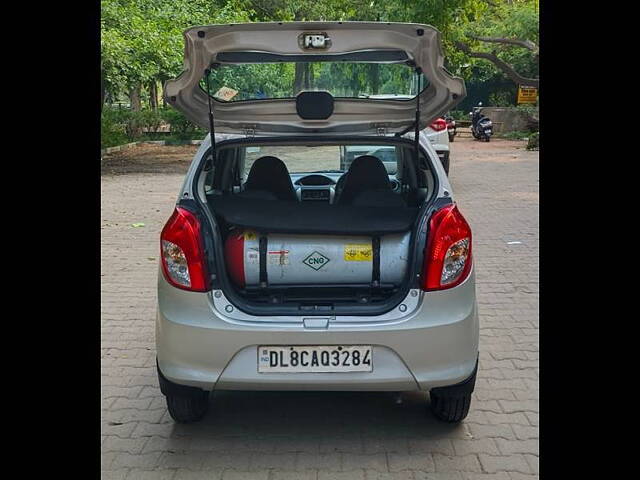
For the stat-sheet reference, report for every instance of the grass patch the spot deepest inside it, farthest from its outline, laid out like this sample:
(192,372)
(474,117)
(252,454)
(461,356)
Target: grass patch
(534,141)
(173,138)
(517,135)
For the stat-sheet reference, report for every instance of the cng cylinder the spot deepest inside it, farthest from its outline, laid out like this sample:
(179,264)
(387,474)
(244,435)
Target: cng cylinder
(288,259)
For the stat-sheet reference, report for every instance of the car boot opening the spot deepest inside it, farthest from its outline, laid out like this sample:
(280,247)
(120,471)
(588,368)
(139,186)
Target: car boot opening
(316,228)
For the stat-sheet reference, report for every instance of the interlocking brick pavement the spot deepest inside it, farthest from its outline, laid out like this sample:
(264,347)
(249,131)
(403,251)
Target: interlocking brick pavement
(306,435)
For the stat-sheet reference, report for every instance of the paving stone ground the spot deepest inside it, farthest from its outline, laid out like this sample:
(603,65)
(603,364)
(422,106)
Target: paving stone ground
(361,436)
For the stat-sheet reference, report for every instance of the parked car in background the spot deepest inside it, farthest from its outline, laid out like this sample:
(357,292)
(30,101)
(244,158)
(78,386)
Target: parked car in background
(436,133)
(385,153)
(280,271)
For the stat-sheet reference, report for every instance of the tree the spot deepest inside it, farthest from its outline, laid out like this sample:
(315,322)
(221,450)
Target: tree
(506,24)
(299,11)
(142,43)
(507,69)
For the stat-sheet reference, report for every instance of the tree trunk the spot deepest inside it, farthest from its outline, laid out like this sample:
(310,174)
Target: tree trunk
(503,66)
(374,77)
(298,79)
(307,76)
(161,92)
(153,95)
(102,87)
(103,92)
(134,97)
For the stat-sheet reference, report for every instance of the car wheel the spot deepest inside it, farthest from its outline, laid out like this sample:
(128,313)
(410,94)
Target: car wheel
(188,407)
(450,409)
(451,403)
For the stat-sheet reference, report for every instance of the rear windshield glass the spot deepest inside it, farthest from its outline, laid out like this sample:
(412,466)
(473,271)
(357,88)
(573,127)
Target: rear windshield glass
(233,83)
(326,158)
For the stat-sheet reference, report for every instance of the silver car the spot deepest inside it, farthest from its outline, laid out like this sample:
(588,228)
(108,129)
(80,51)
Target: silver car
(281,271)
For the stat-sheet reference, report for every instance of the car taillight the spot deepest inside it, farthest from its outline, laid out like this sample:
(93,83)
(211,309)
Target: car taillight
(182,252)
(447,256)
(438,125)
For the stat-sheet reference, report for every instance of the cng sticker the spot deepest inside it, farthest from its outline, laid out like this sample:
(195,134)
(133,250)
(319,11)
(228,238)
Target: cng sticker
(316,260)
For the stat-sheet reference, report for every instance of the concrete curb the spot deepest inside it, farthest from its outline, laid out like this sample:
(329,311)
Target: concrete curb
(118,148)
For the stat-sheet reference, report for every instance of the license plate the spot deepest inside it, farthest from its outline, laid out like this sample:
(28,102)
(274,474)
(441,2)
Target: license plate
(315,358)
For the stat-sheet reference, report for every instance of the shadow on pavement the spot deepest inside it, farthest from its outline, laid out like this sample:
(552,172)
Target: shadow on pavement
(290,420)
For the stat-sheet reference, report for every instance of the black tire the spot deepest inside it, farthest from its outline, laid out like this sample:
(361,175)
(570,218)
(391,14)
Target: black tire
(450,409)
(487,139)
(451,404)
(188,407)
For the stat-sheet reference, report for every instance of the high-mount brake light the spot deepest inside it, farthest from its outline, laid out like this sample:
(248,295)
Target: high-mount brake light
(182,252)
(447,256)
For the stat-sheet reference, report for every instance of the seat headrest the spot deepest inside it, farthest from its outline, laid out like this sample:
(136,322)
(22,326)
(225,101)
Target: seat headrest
(365,173)
(270,174)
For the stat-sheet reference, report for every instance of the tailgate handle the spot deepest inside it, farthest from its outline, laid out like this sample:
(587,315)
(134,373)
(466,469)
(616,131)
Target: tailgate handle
(316,322)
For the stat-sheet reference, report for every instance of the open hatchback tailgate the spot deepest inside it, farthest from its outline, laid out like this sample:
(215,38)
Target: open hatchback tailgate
(216,46)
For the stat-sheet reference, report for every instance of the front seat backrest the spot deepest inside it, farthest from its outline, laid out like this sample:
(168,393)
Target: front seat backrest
(270,174)
(365,173)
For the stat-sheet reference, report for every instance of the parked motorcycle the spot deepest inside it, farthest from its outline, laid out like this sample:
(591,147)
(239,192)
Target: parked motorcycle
(451,127)
(481,126)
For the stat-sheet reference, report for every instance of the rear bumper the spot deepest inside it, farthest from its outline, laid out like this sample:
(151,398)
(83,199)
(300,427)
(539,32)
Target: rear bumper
(441,147)
(436,345)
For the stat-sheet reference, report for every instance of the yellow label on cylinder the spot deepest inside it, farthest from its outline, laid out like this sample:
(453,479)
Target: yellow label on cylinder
(249,235)
(358,252)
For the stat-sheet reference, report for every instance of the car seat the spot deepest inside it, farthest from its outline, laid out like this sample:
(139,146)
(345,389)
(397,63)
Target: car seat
(366,184)
(268,178)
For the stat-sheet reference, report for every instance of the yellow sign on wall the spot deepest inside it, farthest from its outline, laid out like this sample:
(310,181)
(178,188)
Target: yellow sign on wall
(527,94)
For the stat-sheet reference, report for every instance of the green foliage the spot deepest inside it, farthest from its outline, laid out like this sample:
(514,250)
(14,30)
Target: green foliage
(501,99)
(516,135)
(534,141)
(142,42)
(112,130)
(459,114)
(121,126)
(529,110)
(499,19)
(341,79)
(181,128)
